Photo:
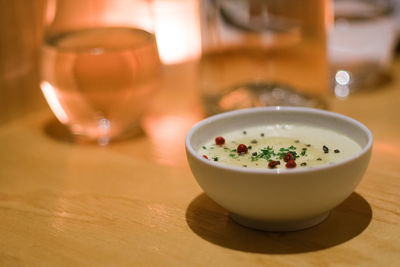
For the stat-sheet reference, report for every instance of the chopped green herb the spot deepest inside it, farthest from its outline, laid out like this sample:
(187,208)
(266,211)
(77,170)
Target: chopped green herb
(297,141)
(281,154)
(244,132)
(204,147)
(233,150)
(308,145)
(294,154)
(262,134)
(215,158)
(249,147)
(232,155)
(266,153)
(254,141)
(336,151)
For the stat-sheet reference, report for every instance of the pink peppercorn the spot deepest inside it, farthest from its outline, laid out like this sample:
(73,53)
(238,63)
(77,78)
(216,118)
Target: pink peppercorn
(242,149)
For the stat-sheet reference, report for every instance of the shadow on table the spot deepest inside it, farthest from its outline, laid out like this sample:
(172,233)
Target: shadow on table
(59,132)
(211,222)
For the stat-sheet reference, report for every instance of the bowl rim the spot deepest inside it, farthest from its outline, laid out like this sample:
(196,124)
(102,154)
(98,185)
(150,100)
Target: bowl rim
(219,116)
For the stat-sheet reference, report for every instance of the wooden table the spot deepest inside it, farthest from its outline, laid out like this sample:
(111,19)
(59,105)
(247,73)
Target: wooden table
(136,203)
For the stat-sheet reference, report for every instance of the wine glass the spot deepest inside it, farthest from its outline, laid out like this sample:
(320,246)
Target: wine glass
(99,65)
(263,53)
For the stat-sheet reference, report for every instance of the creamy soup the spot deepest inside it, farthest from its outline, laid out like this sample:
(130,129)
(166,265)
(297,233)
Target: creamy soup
(279,146)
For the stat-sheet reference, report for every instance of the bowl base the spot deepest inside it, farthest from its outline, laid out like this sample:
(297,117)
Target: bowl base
(275,226)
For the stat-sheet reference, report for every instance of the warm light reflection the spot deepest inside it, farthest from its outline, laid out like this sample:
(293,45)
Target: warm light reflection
(135,13)
(386,148)
(167,135)
(342,77)
(51,98)
(104,127)
(342,91)
(237,99)
(177,30)
(176,24)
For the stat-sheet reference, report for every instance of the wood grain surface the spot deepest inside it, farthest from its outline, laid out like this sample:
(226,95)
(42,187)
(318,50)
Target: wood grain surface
(136,203)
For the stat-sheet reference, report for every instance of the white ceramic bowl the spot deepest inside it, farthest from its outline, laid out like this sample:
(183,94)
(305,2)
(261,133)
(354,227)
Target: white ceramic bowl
(278,199)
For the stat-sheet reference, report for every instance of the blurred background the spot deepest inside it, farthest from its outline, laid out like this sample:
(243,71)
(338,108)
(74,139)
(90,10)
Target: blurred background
(361,41)
(22,29)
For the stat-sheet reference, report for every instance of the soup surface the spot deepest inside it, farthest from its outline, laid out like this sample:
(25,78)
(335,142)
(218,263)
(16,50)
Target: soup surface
(279,146)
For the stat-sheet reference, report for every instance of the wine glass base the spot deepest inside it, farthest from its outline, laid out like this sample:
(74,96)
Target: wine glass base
(259,94)
(62,133)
